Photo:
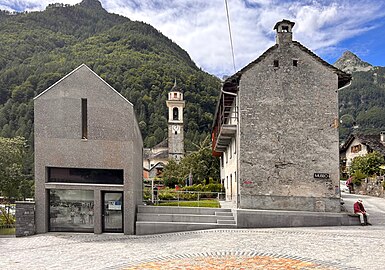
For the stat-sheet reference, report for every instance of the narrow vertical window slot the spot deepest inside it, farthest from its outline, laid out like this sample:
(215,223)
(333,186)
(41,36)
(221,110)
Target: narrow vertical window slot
(276,63)
(84,119)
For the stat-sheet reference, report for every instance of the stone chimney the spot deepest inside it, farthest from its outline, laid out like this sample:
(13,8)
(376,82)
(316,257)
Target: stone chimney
(284,32)
(382,137)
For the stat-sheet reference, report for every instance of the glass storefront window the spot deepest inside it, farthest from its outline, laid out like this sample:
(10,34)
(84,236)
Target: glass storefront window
(71,210)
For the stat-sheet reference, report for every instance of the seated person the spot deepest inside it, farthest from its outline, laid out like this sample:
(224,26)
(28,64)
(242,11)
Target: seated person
(360,210)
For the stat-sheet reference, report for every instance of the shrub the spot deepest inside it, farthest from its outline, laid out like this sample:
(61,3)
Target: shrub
(5,218)
(213,188)
(357,177)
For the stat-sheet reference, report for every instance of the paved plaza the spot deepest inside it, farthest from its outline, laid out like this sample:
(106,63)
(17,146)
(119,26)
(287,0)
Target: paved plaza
(354,247)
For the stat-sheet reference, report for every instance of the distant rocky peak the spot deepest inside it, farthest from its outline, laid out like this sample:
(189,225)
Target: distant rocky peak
(91,4)
(349,62)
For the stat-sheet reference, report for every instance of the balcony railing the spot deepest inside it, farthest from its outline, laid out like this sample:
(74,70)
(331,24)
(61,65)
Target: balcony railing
(226,128)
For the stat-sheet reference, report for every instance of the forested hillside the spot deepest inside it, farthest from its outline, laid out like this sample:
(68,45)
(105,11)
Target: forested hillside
(39,48)
(362,105)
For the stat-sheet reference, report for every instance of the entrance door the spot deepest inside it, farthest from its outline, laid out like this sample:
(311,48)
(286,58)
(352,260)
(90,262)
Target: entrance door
(112,211)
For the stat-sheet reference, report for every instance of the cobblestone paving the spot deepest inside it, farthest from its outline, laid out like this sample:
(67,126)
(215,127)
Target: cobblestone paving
(295,248)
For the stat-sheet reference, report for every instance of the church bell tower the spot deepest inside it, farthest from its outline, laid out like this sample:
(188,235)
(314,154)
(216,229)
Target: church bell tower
(175,104)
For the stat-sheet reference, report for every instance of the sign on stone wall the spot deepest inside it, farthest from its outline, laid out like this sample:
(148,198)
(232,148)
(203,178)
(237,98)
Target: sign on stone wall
(322,175)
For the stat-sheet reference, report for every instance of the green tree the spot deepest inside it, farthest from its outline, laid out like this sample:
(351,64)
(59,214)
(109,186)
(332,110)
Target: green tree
(368,165)
(12,152)
(171,174)
(200,163)
(40,48)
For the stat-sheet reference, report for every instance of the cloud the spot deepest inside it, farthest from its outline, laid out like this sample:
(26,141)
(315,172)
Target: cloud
(31,5)
(200,26)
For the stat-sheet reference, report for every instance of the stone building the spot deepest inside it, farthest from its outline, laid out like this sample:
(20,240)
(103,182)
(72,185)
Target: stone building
(88,157)
(173,146)
(360,145)
(276,130)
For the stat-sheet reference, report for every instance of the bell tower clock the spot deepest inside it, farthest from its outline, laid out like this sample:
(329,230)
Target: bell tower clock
(175,104)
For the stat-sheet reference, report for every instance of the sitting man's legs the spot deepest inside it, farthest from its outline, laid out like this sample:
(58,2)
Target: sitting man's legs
(366,218)
(362,218)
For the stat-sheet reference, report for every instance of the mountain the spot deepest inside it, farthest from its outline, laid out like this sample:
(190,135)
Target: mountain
(349,62)
(39,48)
(362,105)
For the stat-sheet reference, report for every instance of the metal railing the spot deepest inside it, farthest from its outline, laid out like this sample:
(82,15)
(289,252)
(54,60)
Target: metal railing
(186,198)
(228,115)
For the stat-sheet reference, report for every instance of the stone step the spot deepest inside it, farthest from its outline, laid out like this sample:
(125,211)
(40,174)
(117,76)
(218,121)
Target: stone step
(176,218)
(223,221)
(224,214)
(148,227)
(225,217)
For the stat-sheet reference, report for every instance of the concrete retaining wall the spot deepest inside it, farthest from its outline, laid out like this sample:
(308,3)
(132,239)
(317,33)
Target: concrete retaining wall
(279,219)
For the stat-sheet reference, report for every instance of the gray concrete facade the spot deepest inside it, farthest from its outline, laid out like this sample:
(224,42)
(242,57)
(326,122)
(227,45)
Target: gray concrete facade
(113,141)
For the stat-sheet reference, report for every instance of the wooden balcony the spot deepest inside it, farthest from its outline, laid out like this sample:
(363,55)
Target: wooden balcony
(224,131)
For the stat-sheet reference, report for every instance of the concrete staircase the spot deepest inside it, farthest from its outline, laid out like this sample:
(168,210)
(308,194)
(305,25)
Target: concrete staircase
(165,219)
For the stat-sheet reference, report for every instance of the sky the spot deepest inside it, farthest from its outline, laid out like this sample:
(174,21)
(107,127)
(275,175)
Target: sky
(327,27)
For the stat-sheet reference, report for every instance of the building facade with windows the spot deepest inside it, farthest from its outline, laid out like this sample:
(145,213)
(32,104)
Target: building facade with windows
(359,145)
(88,157)
(276,130)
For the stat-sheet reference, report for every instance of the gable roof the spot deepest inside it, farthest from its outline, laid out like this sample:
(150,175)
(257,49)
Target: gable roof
(163,154)
(158,165)
(76,70)
(162,144)
(232,81)
(372,141)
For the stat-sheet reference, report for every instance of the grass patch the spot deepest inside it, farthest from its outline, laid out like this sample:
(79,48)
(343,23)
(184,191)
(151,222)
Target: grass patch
(203,203)
(7,231)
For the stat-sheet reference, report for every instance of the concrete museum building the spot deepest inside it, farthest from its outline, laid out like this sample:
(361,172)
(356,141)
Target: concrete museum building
(88,157)
(276,130)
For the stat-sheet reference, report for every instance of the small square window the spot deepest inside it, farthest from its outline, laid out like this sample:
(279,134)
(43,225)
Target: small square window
(295,63)
(276,63)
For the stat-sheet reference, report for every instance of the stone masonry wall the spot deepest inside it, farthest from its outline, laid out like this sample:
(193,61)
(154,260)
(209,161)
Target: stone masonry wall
(372,187)
(25,218)
(287,116)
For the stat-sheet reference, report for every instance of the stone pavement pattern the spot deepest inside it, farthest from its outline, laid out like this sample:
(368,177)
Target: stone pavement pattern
(286,248)
(330,248)
(229,262)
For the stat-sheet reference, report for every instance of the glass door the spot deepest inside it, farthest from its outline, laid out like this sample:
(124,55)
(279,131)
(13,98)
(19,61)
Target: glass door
(112,211)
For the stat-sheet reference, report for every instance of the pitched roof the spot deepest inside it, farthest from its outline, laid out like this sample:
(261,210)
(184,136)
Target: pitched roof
(176,88)
(343,78)
(372,141)
(162,144)
(158,165)
(82,66)
(283,21)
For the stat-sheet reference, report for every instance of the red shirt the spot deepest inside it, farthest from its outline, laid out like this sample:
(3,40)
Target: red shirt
(358,207)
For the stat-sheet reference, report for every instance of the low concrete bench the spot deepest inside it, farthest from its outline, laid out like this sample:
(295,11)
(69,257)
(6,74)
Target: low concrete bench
(353,219)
